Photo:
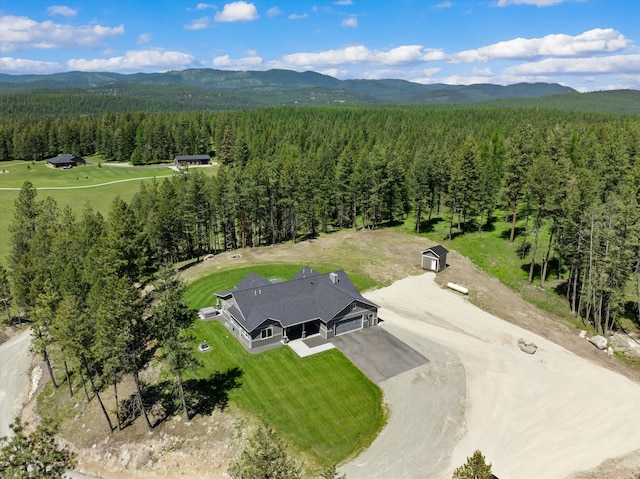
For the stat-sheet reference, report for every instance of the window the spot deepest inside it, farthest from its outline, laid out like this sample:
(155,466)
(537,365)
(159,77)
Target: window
(353,306)
(266,333)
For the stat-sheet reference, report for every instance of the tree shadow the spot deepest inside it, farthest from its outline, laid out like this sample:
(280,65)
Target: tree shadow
(490,225)
(429,226)
(507,233)
(523,249)
(631,311)
(537,270)
(205,395)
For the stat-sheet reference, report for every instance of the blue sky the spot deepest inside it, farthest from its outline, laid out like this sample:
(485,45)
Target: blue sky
(586,44)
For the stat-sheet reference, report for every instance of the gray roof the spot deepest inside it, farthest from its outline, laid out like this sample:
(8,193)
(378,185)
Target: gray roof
(308,296)
(64,159)
(192,157)
(439,251)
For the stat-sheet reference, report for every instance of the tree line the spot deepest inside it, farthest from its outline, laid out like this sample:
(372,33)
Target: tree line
(99,308)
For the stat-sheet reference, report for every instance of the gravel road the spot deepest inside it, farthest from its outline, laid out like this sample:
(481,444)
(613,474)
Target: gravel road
(15,361)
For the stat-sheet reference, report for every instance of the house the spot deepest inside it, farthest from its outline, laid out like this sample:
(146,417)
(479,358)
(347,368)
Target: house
(264,313)
(65,161)
(192,160)
(435,258)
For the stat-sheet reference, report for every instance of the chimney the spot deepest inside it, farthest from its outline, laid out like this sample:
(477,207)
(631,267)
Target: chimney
(334,278)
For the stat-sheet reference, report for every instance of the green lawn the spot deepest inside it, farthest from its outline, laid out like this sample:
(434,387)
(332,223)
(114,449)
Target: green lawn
(322,405)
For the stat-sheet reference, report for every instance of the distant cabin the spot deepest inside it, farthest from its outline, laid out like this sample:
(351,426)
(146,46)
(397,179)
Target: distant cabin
(435,258)
(192,160)
(65,161)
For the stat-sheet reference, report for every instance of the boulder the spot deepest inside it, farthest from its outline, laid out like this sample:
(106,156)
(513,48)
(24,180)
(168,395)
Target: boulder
(599,342)
(529,348)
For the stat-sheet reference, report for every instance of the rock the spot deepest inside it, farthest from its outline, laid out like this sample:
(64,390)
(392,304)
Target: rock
(610,351)
(583,334)
(599,342)
(529,348)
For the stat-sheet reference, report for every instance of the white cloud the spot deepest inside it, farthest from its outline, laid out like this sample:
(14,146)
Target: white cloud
(623,64)
(136,60)
(556,45)
(442,5)
(204,6)
(237,12)
(62,10)
(197,24)
(274,11)
(343,2)
(298,16)
(361,55)
(242,64)
(20,65)
(19,33)
(351,22)
(144,38)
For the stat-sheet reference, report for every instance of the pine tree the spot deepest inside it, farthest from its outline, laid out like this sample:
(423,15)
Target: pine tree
(475,468)
(5,291)
(265,457)
(35,455)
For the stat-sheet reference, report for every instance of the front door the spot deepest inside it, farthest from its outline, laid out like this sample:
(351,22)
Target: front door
(434,264)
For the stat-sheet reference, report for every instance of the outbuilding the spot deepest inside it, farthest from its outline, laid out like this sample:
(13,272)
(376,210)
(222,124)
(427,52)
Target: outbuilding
(435,258)
(192,160)
(65,161)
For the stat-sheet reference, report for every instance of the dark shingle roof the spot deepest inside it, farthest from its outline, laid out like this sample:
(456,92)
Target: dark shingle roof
(65,159)
(439,251)
(308,296)
(192,157)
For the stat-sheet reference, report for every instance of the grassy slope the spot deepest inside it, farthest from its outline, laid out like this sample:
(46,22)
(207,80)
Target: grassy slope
(490,250)
(323,405)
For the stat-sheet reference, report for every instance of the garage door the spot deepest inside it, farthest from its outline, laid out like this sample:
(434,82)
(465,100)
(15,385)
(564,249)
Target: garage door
(348,325)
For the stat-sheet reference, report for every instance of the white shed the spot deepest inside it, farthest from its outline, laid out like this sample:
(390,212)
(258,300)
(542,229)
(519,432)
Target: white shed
(435,258)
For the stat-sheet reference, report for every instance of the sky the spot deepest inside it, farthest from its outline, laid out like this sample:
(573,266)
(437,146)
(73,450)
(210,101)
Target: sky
(589,45)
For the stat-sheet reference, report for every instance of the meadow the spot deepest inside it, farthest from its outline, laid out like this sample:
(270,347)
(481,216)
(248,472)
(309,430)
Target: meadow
(322,404)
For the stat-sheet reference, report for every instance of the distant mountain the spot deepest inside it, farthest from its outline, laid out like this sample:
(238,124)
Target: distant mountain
(252,83)
(209,89)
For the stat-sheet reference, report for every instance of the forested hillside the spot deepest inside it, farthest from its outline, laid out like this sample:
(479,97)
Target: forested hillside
(87,93)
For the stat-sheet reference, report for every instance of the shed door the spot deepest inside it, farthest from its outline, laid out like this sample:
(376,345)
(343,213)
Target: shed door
(347,325)
(434,264)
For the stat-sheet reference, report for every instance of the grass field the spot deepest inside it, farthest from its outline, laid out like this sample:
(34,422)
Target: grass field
(322,404)
(76,187)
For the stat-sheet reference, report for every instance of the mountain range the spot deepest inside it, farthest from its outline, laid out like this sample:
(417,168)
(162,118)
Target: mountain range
(210,89)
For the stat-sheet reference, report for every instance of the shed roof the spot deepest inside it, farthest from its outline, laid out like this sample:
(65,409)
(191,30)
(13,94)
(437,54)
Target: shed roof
(308,296)
(438,251)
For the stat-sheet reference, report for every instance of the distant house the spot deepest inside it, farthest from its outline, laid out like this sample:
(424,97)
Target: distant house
(65,161)
(192,160)
(435,258)
(262,313)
